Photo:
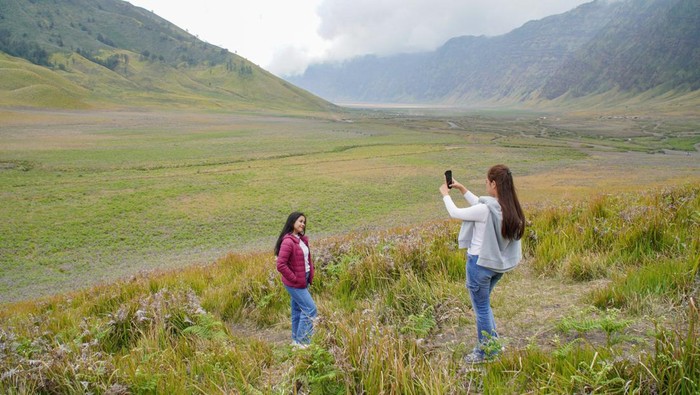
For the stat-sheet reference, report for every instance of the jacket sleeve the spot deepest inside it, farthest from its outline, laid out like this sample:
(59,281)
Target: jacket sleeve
(283,260)
(477,213)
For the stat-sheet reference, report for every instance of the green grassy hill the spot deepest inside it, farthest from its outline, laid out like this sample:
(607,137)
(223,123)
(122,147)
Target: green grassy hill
(604,302)
(108,53)
(86,85)
(26,84)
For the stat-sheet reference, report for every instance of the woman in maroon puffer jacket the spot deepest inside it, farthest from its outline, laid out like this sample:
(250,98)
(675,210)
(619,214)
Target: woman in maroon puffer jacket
(297,269)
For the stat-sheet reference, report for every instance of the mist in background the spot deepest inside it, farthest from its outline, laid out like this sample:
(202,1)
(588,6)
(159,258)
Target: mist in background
(284,37)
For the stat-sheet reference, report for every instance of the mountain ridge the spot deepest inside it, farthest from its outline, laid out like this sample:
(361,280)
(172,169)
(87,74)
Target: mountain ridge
(543,60)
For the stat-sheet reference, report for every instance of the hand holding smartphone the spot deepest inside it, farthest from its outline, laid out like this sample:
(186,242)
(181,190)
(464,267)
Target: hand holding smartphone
(448,178)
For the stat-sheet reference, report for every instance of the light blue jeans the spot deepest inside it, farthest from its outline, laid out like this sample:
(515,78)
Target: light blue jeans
(303,313)
(480,282)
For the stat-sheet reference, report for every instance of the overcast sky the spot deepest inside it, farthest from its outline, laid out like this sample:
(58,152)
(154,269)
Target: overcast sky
(284,36)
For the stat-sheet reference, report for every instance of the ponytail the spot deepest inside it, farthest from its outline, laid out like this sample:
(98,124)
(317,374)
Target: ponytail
(513,225)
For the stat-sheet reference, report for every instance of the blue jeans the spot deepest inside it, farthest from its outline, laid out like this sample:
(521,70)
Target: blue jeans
(303,313)
(480,282)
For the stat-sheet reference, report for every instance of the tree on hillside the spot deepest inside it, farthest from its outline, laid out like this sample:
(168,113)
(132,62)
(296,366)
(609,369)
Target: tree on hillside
(22,49)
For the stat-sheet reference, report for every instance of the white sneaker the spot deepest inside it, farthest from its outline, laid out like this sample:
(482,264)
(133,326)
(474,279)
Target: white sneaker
(473,358)
(296,344)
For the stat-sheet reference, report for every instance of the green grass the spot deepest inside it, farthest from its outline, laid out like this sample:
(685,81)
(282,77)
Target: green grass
(26,84)
(79,83)
(395,318)
(96,196)
(616,234)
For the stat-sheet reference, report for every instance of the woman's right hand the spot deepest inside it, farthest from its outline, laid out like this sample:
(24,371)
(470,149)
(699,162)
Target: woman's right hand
(459,186)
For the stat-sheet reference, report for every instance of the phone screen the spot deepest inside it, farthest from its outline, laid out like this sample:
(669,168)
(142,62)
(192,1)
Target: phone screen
(448,178)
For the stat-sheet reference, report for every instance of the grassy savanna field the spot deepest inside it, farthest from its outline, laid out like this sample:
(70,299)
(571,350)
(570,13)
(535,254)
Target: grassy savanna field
(95,197)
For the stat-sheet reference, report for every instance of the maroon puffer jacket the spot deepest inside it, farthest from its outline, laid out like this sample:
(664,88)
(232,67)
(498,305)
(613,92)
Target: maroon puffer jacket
(290,262)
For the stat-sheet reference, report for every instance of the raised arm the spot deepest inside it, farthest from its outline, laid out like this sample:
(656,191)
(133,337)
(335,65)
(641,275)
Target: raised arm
(477,212)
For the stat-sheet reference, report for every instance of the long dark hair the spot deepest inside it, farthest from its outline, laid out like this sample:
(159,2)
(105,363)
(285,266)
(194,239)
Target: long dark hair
(288,228)
(513,225)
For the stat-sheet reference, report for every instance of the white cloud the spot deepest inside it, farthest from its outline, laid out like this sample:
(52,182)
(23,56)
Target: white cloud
(259,30)
(290,61)
(384,27)
(285,36)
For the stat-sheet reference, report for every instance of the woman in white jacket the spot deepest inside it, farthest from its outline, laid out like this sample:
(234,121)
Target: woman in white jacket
(491,231)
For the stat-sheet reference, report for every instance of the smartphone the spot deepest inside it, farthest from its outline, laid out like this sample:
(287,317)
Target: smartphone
(448,178)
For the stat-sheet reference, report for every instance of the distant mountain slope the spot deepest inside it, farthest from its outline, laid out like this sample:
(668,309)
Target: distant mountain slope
(624,46)
(651,44)
(118,54)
